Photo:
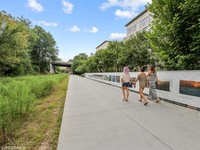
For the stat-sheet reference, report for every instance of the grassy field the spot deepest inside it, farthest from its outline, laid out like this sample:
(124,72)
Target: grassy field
(31,110)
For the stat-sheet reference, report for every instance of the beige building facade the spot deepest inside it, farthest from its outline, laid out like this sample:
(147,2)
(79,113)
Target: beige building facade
(141,22)
(103,45)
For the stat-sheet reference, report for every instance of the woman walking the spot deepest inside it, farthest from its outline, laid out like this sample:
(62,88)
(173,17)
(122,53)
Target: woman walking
(125,80)
(142,78)
(152,80)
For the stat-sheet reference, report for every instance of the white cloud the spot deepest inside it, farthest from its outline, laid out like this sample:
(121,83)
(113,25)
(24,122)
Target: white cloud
(67,7)
(75,29)
(92,30)
(129,8)
(35,6)
(124,14)
(110,3)
(117,36)
(44,23)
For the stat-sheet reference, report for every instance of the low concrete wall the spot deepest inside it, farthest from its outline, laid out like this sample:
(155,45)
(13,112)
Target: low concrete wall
(177,86)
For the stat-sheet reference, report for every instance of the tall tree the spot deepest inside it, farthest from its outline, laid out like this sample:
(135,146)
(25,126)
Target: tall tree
(115,48)
(91,65)
(99,60)
(44,50)
(14,54)
(175,33)
(79,63)
(138,50)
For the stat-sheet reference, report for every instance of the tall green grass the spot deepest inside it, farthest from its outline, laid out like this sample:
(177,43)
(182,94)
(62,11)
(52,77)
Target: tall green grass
(17,97)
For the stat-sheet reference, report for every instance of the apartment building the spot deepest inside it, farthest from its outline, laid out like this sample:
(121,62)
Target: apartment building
(103,45)
(139,23)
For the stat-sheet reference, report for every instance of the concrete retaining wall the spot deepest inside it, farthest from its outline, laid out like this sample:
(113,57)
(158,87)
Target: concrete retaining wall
(177,86)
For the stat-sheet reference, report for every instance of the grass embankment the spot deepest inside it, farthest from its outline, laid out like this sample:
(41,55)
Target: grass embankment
(33,120)
(41,131)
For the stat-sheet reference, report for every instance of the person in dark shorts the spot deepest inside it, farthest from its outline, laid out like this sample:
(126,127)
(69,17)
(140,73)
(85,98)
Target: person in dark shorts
(125,80)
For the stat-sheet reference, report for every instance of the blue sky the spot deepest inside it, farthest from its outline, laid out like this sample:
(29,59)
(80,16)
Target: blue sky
(78,26)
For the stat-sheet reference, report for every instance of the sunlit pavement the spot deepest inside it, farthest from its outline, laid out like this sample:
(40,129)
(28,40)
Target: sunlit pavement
(96,118)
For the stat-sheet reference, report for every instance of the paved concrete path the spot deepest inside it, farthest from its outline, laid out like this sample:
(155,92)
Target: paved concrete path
(96,118)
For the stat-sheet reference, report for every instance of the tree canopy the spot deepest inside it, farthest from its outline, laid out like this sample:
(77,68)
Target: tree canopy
(175,32)
(134,53)
(23,49)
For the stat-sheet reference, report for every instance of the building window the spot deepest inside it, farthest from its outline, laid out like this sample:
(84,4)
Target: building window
(132,30)
(144,23)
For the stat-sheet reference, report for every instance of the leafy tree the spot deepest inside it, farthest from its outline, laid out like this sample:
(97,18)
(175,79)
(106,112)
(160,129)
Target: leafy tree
(81,67)
(23,48)
(137,52)
(81,56)
(175,33)
(99,60)
(115,48)
(91,65)
(105,59)
(123,59)
(44,50)
(79,62)
(14,54)
(133,53)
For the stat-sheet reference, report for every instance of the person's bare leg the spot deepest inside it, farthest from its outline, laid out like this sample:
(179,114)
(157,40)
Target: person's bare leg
(143,96)
(127,93)
(145,99)
(123,92)
(140,97)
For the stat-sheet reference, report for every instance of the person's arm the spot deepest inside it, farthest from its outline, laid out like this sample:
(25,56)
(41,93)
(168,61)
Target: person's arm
(136,81)
(148,74)
(122,81)
(129,78)
(157,79)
